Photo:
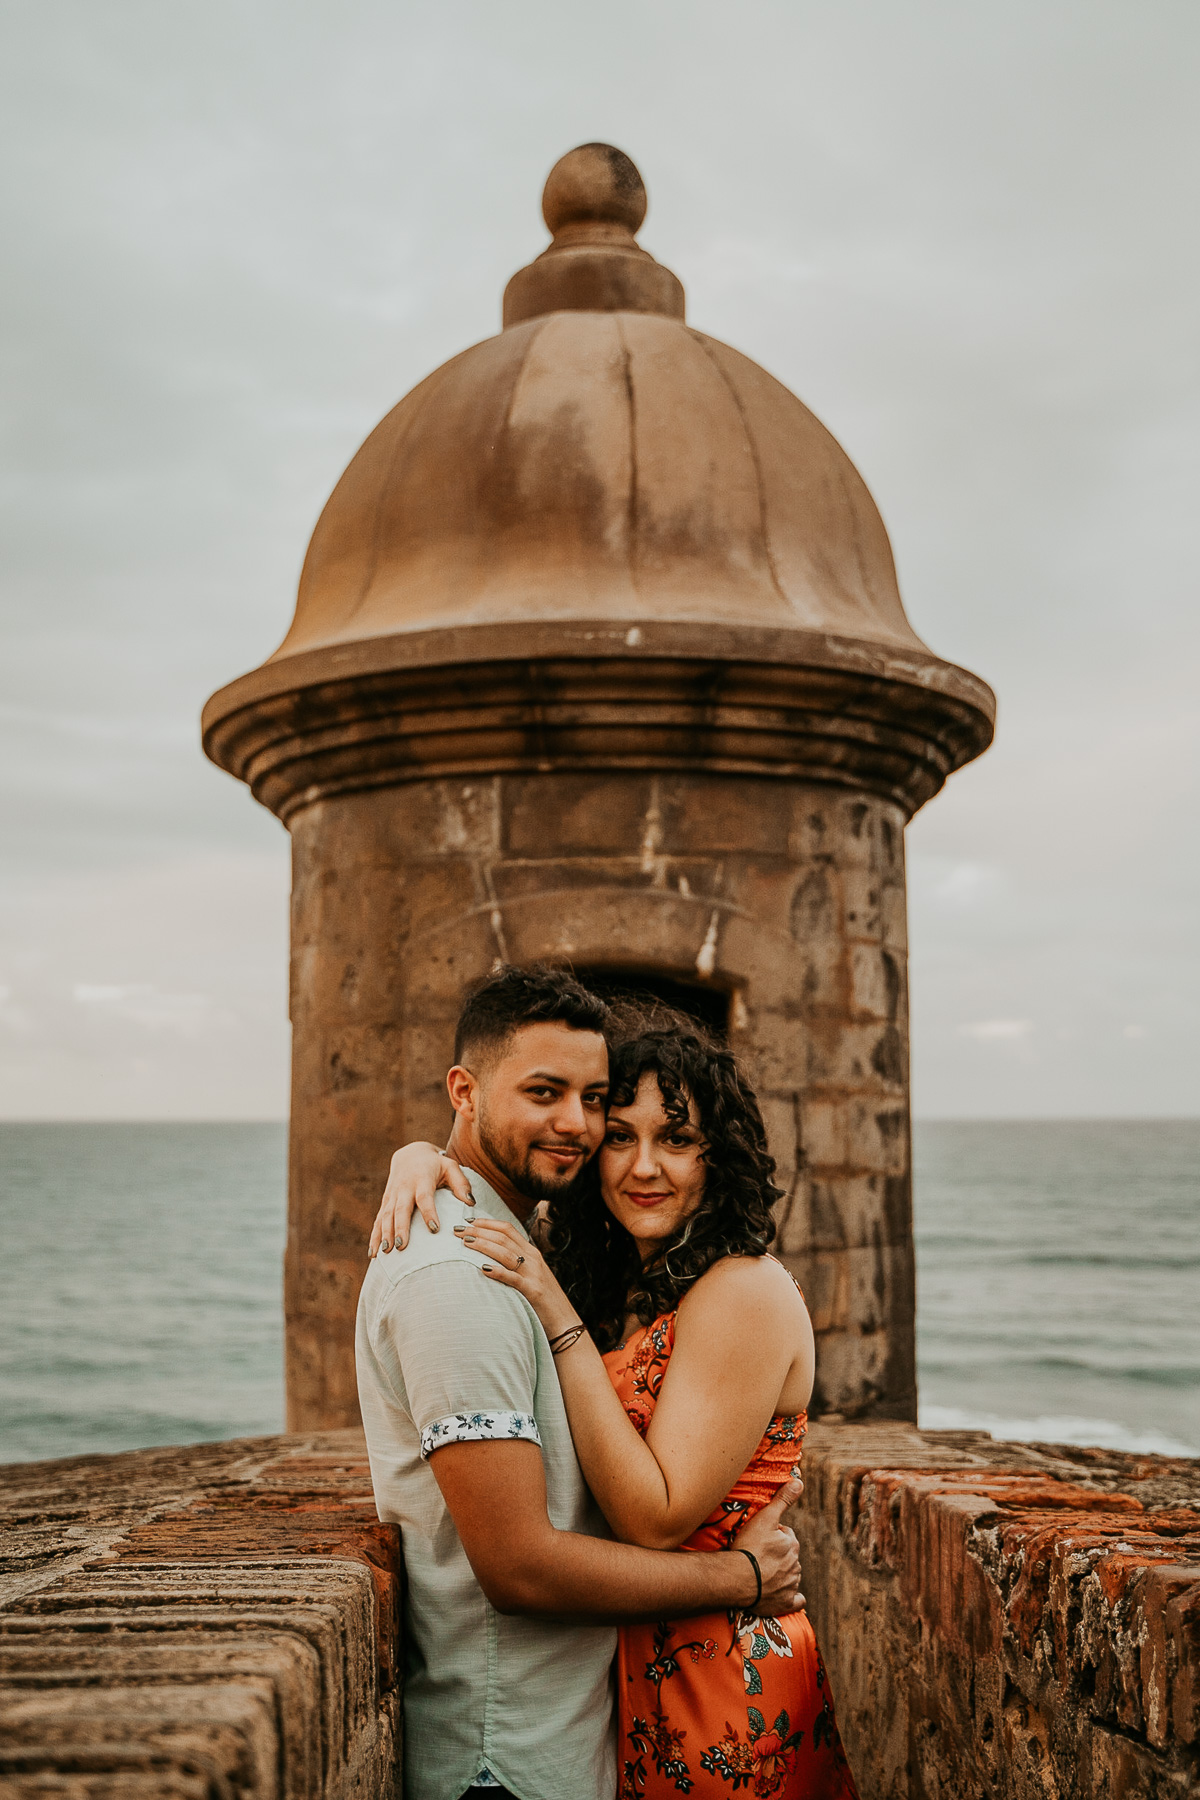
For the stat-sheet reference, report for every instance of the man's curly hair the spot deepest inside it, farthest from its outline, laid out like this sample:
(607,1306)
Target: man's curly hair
(595,1259)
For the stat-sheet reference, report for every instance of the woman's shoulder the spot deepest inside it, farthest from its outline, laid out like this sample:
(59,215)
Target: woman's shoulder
(743,1283)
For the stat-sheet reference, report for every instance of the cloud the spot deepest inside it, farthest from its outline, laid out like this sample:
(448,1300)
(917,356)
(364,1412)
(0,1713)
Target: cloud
(240,233)
(92,1008)
(998,1031)
(963,884)
(143,1004)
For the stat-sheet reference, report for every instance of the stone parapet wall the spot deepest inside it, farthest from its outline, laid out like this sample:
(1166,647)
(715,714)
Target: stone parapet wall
(1005,1621)
(207,1623)
(1000,1621)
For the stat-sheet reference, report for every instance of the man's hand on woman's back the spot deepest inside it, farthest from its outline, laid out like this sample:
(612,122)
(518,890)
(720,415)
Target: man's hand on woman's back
(775,1548)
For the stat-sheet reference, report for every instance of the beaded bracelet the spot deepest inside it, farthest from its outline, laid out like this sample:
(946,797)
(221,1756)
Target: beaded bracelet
(566,1338)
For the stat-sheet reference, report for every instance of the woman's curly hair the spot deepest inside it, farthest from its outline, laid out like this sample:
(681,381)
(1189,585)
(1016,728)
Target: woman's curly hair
(594,1257)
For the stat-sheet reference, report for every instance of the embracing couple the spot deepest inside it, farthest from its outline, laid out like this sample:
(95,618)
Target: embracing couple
(580,1362)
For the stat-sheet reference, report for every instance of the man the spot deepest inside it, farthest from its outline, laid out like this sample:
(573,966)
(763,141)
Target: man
(513,1587)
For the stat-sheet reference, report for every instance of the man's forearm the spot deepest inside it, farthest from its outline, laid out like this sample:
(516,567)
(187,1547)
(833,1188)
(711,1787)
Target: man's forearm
(496,1495)
(572,1576)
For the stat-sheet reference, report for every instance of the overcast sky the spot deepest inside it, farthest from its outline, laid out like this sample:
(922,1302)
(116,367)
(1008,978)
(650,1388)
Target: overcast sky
(236,232)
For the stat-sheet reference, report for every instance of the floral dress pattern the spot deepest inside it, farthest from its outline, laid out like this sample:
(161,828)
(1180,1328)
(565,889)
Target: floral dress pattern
(727,1704)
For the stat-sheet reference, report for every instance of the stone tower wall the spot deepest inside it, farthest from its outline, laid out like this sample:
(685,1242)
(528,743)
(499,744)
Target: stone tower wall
(599,654)
(787,896)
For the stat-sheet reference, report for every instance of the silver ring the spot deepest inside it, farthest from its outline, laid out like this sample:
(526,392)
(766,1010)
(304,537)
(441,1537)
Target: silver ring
(520,1260)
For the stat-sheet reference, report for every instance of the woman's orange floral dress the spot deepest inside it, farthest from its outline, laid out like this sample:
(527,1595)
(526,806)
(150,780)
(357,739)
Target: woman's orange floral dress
(726,1704)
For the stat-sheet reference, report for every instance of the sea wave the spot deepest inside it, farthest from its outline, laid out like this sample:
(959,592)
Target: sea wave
(1106,1434)
(1094,1260)
(1013,1359)
(1013,1256)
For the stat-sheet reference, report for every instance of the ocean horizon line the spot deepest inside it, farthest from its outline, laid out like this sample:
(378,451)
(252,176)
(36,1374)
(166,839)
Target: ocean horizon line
(918,1119)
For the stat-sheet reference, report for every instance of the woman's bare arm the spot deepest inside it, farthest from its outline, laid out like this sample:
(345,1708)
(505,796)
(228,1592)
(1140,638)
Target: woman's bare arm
(741,1336)
(496,1495)
(417,1172)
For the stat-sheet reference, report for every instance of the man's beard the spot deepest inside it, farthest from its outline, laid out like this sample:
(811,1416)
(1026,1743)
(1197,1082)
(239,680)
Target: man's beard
(518,1168)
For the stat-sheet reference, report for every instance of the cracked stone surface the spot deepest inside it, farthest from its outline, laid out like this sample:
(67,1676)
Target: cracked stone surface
(1015,1621)
(214,1621)
(1018,1621)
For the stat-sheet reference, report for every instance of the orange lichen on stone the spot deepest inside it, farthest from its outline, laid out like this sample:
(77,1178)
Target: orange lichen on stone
(1005,1620)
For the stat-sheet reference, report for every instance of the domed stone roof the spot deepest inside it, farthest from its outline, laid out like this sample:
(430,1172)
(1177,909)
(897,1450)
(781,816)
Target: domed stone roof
(600,459)
(600,538)
(591,465)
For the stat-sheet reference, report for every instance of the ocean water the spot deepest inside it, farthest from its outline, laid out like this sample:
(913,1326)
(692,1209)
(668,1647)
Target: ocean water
(1058,1271)
(1058,1280)
(139,1285)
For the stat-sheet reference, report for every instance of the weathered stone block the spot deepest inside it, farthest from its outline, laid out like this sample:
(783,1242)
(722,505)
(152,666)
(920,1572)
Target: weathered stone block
(780,1115)
(862,905)
(876,982)
(853,1056)
(894,918)
(967,1594)
(203,1622)
(735,817)
(387,826)
(580,815)
(824,1132)
(854,1212)
(877,1136)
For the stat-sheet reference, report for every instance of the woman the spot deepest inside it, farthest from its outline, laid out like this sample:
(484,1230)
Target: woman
(686,1393)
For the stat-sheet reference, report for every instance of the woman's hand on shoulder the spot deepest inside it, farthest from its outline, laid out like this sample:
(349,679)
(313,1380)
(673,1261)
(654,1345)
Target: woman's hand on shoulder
(417,1172)
(516,1262)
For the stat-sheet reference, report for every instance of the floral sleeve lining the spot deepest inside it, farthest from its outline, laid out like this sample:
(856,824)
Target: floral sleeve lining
(478,1427)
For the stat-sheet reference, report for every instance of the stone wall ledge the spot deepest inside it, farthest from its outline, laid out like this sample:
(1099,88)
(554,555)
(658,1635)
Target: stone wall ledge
(999,1620)
(1004,1621)
(211,1622)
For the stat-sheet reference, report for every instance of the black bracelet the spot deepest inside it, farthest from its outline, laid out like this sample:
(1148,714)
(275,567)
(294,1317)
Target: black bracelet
(753,1560)
(565,1339)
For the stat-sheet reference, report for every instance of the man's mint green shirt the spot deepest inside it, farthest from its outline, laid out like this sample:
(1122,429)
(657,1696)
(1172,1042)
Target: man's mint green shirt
(445,1356)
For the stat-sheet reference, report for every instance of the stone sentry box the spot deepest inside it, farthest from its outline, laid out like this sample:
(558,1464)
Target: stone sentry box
(599,655)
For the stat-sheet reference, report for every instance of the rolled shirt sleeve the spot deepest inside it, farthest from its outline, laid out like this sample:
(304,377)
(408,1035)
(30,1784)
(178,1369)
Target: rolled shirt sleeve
(447,1356)
(467,1348)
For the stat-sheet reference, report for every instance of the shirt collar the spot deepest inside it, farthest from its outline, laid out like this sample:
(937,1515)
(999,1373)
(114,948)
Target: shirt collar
(488,1201)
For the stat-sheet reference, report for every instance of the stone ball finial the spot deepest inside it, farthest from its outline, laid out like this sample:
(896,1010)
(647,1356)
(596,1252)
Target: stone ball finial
(594,200)
(594,183)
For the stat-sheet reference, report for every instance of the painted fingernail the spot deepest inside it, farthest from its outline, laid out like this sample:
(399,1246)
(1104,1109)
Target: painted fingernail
(385,1245)
(433,1225)
(487,1269)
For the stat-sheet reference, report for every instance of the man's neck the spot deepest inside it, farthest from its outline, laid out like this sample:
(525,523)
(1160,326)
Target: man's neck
(465,1146)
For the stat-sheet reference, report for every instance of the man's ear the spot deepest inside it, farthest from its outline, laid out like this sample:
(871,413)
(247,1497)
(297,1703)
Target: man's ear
(462,1088)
